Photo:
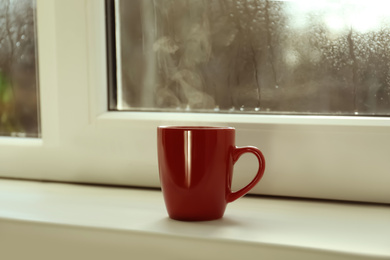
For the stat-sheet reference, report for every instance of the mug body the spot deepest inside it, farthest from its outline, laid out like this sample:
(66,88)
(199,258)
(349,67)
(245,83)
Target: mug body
(195,169)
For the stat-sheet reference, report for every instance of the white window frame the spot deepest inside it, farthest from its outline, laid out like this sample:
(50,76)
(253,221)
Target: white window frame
(344,158)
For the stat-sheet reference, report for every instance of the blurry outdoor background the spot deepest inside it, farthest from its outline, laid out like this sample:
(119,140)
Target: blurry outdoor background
(19,106)
(232,56)
(254,56)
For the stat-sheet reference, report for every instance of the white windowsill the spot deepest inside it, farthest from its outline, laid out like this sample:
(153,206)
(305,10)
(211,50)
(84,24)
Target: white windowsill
(64,221)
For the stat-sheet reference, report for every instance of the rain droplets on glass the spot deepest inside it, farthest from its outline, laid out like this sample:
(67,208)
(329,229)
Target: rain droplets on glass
(298,56)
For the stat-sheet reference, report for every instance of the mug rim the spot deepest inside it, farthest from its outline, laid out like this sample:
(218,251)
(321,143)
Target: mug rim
(192,128)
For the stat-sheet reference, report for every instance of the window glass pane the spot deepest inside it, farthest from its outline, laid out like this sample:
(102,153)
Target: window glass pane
(253,56)
(19,113)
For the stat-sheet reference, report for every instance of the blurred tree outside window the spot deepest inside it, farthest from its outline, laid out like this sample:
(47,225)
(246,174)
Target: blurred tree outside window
(254,56)
(19,104)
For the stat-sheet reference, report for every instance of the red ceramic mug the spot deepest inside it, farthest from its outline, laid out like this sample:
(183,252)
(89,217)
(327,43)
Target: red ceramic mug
(196,166)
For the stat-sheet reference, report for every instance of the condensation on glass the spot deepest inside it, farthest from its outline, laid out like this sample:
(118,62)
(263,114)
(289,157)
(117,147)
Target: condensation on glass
(254,56)
(19,105)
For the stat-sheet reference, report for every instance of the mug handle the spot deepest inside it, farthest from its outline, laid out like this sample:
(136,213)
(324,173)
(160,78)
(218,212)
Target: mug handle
(237,152)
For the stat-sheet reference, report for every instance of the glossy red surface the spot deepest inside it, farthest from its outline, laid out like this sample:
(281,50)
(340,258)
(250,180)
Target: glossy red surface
(195,167)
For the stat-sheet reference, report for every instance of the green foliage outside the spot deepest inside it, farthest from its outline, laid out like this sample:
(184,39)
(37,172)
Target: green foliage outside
(8,120)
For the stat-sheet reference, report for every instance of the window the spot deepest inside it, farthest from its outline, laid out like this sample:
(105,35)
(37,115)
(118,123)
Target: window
(262,56)
(332,157)
(18,71)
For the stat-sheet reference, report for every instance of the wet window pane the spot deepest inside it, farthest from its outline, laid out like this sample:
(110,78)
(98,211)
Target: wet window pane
(253,56)
(19,111)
